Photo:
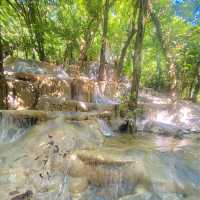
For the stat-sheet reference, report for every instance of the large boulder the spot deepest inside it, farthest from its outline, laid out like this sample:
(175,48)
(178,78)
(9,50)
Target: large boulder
(53,86)
(26,66)
(161,128)
(28,80)
(21,94)
(24,89)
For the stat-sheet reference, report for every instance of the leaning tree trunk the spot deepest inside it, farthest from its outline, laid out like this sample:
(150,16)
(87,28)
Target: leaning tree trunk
(102,68)
(137,58)
(120,66)
(171,62)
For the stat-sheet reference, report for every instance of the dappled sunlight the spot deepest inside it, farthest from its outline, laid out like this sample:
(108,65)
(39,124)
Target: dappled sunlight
(170,143)
(73,157)
(96,103)
(184,115)
(164,117)
(106,92)
(83,105)
(16,102)
(42,144)
(154,97)
(12,101)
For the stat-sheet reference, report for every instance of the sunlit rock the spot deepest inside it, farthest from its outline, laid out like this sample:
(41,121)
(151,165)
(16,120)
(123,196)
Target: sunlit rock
(103,168)
(164,129)
(26,66)
(73,70)
(76,167)
(50,103)
(78,185)
(21,94)
(82,89)
(140,196)
(50,85)
(24,76)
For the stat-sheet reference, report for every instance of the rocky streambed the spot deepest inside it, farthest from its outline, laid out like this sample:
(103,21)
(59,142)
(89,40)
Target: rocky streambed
(59,140)
(64,159)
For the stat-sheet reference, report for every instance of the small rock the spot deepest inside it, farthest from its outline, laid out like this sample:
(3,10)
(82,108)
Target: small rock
(78,185)
(25,196)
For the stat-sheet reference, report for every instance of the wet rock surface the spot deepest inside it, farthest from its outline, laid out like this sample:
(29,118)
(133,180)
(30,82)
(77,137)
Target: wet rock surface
(39,161)
(161,128)
(30,83)
(70,149)
(61,159)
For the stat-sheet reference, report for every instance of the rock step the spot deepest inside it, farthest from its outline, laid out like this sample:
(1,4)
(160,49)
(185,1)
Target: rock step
(24,89)
(49,115)
(49,103)
(104,156)
(24,114)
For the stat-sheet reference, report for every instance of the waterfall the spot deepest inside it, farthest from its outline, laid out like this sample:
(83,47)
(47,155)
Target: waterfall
(104,127)
(12,127)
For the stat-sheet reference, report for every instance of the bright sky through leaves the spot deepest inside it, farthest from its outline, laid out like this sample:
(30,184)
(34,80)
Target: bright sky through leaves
(189,10)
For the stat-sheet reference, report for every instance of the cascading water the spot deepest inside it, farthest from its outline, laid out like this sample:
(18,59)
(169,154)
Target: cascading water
(69,158)
(104,127)
(13,128)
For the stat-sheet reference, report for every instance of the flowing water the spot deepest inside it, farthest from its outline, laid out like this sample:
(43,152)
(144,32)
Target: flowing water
(12,129)
(59,159)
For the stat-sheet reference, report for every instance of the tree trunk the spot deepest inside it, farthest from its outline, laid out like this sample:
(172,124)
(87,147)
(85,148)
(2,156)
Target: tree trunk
(158,68)
(1,53)
(120,66)
(83,59)
(137,61)
(197,86)
(88,38)
(40,50)
(102,68)
(3,84)
(83,55)
(172,66)
(137,58)
(196,91)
